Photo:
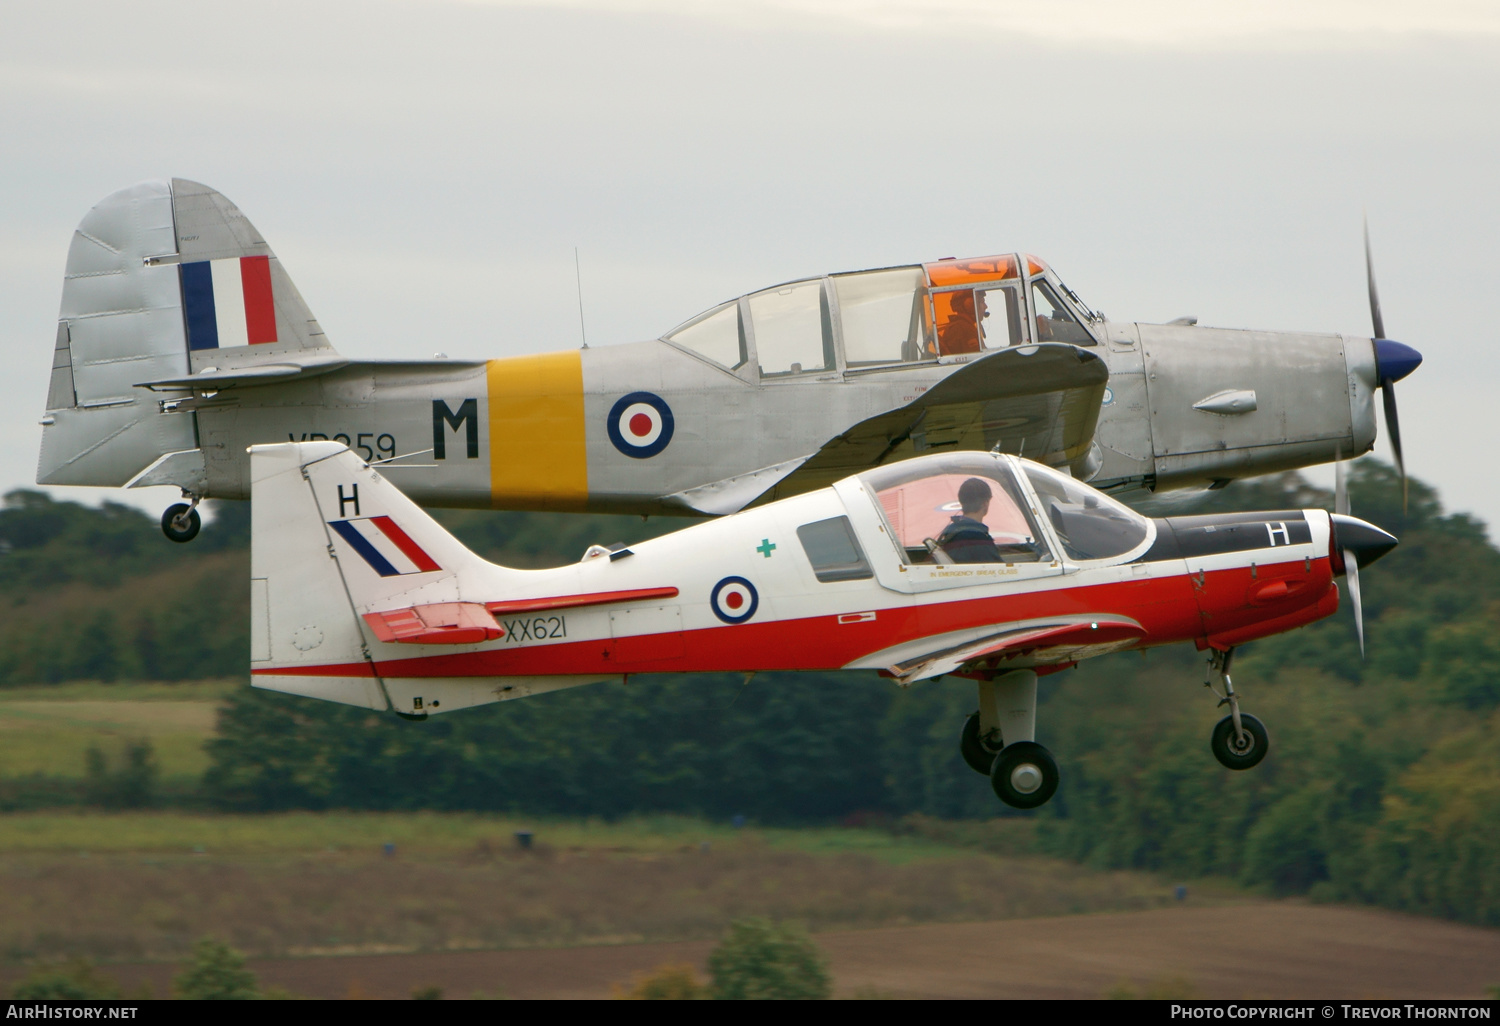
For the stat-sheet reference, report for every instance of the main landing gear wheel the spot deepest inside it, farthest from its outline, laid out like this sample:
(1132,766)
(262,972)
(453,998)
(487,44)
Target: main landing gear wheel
(976,751)
(1024,775)
(1242,751)
(181,522)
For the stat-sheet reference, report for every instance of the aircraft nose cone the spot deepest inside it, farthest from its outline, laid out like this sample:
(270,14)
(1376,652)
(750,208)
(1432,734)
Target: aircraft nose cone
(1365,540)
(1395,360)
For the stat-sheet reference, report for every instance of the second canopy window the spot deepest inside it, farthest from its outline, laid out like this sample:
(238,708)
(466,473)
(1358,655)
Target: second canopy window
(793,330)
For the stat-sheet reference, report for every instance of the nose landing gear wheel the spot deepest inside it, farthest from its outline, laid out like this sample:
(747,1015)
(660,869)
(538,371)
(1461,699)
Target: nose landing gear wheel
(1024,775)
(1243,752)
(975,750)
(181,522)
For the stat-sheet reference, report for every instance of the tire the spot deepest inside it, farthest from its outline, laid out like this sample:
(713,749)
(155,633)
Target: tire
(1229,754)
(1024,775)
(979,756)
(176,533)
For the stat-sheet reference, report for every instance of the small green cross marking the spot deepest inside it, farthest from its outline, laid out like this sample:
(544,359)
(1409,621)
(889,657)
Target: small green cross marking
(765,547)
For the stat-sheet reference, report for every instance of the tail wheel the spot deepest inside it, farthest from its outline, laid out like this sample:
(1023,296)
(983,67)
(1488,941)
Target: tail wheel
(976,752)
(1024,775)
(181,522)
(1240,752)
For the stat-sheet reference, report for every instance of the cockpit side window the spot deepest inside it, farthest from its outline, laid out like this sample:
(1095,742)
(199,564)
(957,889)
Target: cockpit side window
(966,508)
(717,335)
(955,315)
(1054,321)
(1089,524)
(972,320)
(833,551)
(881,316)
(999,312)
(793,329)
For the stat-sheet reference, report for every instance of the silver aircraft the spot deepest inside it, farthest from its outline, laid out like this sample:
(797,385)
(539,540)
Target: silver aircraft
(182,341)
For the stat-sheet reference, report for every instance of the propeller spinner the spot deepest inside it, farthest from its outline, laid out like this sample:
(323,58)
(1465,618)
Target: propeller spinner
(1358,544)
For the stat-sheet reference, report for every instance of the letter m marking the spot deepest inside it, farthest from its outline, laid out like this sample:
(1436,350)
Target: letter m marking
(466,417)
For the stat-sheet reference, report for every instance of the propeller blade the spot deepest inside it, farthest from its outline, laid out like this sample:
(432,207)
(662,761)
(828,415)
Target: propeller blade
(1375,318)
(1393,425)
(1387,379)
(1351,574)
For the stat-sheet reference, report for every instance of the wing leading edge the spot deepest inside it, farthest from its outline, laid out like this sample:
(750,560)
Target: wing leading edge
(1039,401)
(1062,640)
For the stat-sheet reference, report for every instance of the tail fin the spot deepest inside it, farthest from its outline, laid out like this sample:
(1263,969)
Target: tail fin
(331,541)
(168,287)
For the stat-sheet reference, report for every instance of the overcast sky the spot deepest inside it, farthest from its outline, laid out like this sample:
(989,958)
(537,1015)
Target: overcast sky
(425,168)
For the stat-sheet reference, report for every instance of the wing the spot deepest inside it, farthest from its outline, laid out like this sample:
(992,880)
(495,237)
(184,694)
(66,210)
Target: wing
(1038,401)
(1033,643)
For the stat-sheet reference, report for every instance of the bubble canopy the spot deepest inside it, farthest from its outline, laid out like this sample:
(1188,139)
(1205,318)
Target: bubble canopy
(975,507)
(863,320)
(1089,524)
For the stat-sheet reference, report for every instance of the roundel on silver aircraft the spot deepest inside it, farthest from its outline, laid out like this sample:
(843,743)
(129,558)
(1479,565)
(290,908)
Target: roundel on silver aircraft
(734,600)
(640,425)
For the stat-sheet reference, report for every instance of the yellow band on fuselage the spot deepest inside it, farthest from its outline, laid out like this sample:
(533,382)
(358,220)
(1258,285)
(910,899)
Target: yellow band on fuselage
(537,454)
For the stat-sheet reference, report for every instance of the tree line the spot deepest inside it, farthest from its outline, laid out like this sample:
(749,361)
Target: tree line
(1383,782)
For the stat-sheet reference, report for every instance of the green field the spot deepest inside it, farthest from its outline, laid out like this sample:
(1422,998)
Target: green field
(438,835)
(47,730)
(145,885)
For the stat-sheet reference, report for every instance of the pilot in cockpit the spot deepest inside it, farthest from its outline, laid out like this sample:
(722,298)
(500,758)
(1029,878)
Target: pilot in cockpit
(966,539)
(960,333)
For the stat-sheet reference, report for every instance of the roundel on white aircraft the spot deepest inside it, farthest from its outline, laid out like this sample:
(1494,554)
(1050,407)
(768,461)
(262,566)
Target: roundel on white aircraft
(640,425)
(734,600)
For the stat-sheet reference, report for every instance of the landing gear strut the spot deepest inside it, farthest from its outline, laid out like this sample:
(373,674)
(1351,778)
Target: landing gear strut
(180,522)
(1239,741)
(998,741)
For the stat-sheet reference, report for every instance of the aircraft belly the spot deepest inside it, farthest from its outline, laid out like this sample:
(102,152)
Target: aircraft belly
(1293,389)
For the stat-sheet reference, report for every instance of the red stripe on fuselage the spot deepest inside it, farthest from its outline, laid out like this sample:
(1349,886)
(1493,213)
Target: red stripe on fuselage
(260,304)
(1167,607)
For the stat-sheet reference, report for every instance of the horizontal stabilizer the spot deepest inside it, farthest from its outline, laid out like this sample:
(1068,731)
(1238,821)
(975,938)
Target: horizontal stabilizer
(255,374)
(593,598)
(438,623)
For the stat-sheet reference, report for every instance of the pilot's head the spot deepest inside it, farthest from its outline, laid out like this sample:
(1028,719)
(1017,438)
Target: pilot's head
(974,496)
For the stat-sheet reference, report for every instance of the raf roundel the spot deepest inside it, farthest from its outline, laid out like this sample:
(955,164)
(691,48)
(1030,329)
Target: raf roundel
(734,600)
(640,425)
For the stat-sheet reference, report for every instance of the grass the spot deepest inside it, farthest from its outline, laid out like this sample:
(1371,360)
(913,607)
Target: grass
(433,834)
(47,730)
(143,886)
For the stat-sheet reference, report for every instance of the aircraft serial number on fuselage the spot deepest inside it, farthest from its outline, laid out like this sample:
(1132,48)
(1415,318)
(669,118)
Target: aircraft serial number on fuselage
(540,628)
(385,442)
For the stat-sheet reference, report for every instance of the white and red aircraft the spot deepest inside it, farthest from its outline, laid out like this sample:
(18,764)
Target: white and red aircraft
(968,564)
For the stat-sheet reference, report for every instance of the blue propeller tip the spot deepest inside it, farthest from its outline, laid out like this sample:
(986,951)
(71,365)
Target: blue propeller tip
(1395,360)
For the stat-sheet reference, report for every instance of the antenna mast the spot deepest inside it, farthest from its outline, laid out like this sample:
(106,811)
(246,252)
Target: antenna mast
(578,278)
